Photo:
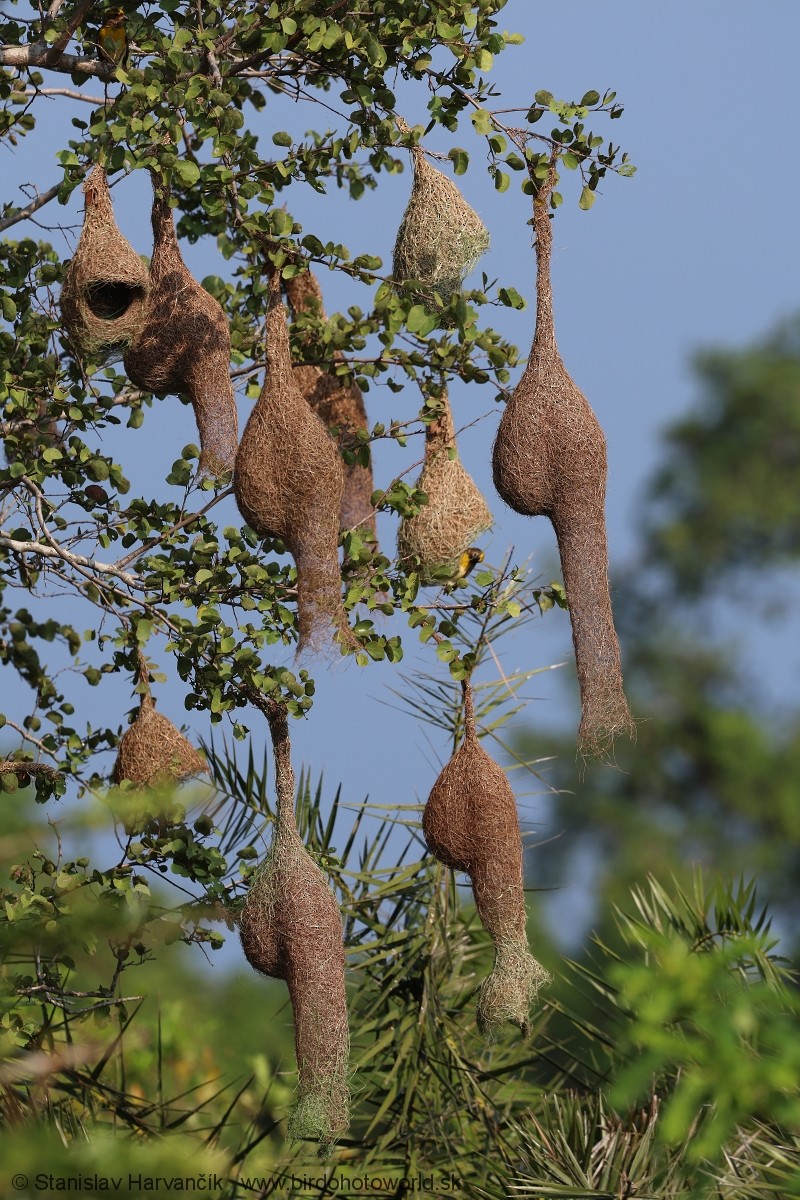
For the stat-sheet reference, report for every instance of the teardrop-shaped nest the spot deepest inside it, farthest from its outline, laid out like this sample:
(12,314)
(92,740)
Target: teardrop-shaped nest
(440,238)
(291,929)
(339,406)
(105,288)
(470,824)
(549,460)
(456,512)
(153,751)
(184,344)
(288,483)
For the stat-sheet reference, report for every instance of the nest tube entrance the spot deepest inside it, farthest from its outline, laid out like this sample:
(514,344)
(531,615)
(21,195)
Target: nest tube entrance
(288,484)
(104,293)
(338,405)
(470,824)
(291,929)
(184,345)
(549,459)
(456,512)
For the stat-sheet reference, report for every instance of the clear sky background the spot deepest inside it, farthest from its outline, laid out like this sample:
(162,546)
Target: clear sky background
(700,248)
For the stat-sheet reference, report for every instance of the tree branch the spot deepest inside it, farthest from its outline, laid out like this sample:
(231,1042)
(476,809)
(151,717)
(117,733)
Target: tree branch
(39,55)
(22,214)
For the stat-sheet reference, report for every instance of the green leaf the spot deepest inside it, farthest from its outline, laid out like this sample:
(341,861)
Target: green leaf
(187,171)
(587,199)
(460,160)
(482,121)
(589,99)
(281,138)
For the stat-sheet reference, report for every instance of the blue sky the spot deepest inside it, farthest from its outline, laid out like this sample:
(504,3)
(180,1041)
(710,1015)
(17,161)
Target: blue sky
(699,248)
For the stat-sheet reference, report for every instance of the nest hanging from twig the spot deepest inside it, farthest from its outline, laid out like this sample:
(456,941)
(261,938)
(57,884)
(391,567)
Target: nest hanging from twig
(104,294)
(456,512)
(152,750)
(288,484)
(440,238)
(291,929)
(184,344)
(338,406)
(550,460)
(470,824)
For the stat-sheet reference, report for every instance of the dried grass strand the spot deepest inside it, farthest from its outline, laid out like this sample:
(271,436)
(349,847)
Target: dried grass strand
(550,460)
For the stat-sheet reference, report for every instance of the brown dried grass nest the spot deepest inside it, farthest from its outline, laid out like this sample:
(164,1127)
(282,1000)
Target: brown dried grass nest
(152,750)
(104,294)
(338,405)
(291,929)
(184,344)
(456,512)
(550,460)
(440,238)
(470,824)
(288,484)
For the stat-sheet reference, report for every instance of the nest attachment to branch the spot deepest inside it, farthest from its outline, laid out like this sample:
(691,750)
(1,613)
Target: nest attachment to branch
(104,294)
(184,346)
(550,460)
(470,824)
(456,512)
(440,237)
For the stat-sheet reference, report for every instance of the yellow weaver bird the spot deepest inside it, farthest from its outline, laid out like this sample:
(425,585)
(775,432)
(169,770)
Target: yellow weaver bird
(112,38)
(466,563)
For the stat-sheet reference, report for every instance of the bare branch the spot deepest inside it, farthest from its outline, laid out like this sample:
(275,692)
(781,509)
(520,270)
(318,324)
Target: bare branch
(22,214)
(68,92)
(39,55)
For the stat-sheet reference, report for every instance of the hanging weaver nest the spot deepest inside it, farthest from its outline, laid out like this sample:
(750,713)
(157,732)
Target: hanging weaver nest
(338,406)
(440,238)
(456,512)
(184,345)
(104,293)
(152,750)
(550,460)
(470,824)
(288,483)
(291,929)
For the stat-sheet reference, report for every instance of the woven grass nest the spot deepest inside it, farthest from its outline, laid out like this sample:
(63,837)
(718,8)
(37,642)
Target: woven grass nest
(152,750)
(470,824)
(550,460)
(291,929)
(184,345)
(288,483)
(104,294)
(440,238)
(338,406)
(456,512)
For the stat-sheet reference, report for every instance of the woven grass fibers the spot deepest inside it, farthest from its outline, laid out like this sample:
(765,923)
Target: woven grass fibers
(338,406)
(440,238)
(184,345)
(153,751)
(291,929)
(288,484)
(456,512)
(550,460)
(104,293)
(470,824)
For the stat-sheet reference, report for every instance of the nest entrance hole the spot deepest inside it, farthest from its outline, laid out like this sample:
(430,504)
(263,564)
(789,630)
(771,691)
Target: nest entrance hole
(110,299)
